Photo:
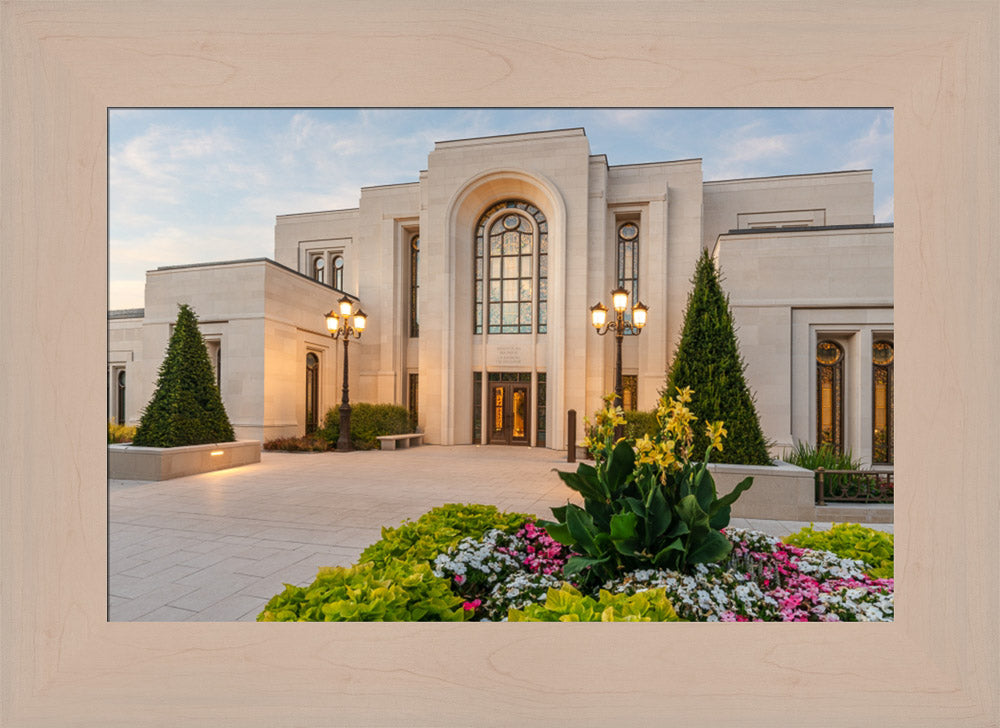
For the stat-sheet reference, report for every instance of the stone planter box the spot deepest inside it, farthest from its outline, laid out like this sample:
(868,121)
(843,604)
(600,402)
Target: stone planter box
(786,492)
(128,462)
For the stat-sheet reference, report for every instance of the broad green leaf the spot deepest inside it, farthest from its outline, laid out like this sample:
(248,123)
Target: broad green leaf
(711,549)
(576,564)
(667,552)
(620,466)
(559,532)
(730,498)
(581,527)
(658,516)
(692,513)
(623,526)
(719,518)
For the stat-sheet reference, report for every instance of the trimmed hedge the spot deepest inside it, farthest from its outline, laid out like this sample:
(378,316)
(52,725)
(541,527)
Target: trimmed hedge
(368,422)
(186,408)
(306,443)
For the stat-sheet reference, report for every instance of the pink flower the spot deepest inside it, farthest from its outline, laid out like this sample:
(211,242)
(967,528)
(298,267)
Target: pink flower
(469,606)
(459,578)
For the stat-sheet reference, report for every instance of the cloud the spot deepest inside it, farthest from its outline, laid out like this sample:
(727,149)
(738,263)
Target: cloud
(873,148)
(885,211)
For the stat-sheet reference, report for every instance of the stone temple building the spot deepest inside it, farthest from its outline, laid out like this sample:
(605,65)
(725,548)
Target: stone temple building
(478,278)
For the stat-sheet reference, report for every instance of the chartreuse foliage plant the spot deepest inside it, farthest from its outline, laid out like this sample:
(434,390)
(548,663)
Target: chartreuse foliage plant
(186,408)
(851,541)
(648,507)
(567,604)
(439,530)
(708,361)
(402,591)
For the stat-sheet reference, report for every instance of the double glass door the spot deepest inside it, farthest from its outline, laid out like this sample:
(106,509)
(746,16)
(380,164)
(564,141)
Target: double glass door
(510,413)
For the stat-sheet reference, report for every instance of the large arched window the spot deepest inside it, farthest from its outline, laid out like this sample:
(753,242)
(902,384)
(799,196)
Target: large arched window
(511,269)
(414,284)
(830,395)
(312,392)
(882,381)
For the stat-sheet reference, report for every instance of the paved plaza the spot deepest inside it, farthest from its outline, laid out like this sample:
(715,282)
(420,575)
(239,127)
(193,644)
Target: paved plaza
(217,546)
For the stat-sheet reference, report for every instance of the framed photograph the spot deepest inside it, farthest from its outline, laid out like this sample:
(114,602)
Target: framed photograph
(65,64)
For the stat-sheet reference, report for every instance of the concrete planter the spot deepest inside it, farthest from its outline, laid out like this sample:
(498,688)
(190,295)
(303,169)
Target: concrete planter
(128,462)
(786,492)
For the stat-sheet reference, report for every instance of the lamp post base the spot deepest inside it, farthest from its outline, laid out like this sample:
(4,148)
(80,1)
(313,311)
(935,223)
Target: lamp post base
(344,439)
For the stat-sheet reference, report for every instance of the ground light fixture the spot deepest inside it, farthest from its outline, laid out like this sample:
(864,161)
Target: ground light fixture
(621,327)
(345,323)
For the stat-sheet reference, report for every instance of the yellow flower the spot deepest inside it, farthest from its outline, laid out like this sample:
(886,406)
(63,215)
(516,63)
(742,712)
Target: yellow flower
(684,395)
(714,431)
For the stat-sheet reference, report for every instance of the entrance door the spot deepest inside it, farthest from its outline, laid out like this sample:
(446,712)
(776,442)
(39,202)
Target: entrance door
(510,413)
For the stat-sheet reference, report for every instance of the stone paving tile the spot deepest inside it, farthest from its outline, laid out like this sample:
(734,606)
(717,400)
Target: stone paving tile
(167,614)
(201,598)
(148,602)
(230,609)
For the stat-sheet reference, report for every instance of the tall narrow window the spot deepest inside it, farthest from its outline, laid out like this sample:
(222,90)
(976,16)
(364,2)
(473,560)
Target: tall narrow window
(830,395)
(121,396)
(882,376)
(540,411)
(318,268)
(413,398)
(338,272)
(414,284)
(312,392)
(477,407)
(511,259)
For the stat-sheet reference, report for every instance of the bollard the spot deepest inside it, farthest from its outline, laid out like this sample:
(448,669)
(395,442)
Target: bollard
(820,495)
(571,429)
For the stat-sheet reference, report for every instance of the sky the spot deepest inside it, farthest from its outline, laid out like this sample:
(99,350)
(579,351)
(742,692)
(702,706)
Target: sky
(205,185)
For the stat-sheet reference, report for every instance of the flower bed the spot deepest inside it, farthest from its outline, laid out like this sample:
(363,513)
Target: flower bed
(452,564)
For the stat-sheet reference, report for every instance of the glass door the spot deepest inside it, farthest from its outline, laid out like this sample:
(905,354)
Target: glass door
(510,413)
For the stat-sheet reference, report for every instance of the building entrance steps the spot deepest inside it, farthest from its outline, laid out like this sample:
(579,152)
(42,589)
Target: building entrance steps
(217,546)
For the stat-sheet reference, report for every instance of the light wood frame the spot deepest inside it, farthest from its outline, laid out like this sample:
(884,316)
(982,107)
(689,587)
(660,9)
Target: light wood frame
(64,63)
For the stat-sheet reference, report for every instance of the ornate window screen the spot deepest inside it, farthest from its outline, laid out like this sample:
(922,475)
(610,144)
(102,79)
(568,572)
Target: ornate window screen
(507,236)
(830,395)
(882,415)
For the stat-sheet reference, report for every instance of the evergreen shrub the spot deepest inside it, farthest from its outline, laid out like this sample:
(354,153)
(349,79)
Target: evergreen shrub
(708,361)
(186,408)
(306,443)
(368,422)
(119,433)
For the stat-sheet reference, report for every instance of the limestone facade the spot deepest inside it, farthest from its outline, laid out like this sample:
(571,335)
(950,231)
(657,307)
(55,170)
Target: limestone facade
(801,258)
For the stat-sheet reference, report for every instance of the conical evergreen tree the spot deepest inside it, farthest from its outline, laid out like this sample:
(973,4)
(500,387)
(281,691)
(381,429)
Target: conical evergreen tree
(708,361)
(186,408)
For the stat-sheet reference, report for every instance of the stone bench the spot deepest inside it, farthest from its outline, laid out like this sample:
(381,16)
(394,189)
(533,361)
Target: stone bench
(391,442)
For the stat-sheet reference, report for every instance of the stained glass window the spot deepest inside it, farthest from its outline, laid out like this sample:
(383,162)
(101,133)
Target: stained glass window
(830,395)
(413,398)
(511,269)
(121,397)
(882,386)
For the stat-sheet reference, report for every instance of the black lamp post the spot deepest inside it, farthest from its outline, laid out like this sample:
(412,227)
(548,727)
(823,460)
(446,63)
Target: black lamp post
(345,324)
(598,317)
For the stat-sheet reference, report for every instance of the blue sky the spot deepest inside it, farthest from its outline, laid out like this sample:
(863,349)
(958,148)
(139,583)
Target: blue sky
(201,185)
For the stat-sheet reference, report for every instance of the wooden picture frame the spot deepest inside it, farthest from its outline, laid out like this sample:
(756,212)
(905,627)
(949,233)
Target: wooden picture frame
(65,63)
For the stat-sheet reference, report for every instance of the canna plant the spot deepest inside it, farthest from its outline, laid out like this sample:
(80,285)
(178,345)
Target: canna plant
(649,506)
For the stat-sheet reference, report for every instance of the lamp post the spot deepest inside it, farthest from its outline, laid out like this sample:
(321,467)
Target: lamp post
(598,317)
(343,325)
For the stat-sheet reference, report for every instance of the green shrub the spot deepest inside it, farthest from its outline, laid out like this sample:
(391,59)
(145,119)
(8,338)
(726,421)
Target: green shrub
(186,408)
(393,592)
(437,531)
(306,443)
(368,422)
(119,433)
(708,361)
(566,604)
(851,541)
(647,507)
